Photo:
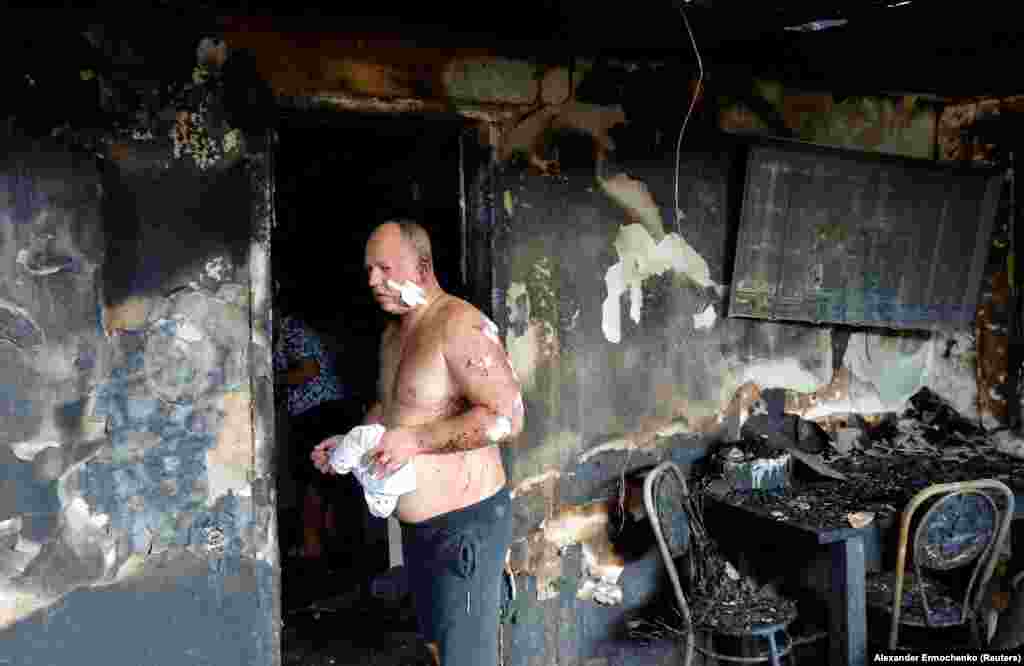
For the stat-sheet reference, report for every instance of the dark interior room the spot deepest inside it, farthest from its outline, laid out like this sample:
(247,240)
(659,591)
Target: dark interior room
(750,266)
(337,179)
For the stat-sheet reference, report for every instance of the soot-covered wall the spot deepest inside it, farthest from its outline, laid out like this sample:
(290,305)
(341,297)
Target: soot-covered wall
(615,307)
(134,527)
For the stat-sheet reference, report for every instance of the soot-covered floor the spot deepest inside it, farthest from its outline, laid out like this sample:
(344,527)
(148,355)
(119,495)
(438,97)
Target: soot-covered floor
(329,622)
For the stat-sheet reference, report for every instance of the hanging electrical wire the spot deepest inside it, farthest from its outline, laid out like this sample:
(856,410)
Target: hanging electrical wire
(686,120)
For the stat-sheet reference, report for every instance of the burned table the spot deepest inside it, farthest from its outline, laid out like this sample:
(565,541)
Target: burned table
(816,516)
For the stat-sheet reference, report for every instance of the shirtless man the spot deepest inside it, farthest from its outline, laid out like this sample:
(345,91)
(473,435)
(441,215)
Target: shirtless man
(448,397)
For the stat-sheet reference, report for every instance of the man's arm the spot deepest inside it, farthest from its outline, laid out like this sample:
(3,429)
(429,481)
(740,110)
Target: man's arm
(481,373)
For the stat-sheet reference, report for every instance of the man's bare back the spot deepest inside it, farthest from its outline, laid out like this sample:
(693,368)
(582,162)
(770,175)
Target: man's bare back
(416,388)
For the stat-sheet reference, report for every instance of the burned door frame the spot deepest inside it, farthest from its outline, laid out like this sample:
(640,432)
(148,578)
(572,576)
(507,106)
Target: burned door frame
(482,230)
(485,231)
(261,377)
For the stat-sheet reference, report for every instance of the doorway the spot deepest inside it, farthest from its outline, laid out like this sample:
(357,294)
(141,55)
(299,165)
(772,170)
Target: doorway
(337,176)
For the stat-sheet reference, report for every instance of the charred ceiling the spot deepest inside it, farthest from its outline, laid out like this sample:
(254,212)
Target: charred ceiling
(851,48)
(866,46)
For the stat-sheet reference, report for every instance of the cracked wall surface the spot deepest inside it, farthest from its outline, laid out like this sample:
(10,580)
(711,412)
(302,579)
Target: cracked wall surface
(126,444)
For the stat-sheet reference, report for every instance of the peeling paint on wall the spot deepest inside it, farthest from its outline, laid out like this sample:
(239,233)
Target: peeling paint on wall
(574,524)
(125,430)
(218,268)
(955,141)
(683,369)
(533,316)
(19,328)
(895,367)
(229,462)
(636,201)
(17,603)
(902,125)
(27,451)
(655,432)
(881,371)
(706,319)
(787,373)
(617,444)
(528,484)
(639,259)
(524,351)
(127,315)
(550,454)
(952,370)
(586,525)
(489,80)
(518,302)
(527,135)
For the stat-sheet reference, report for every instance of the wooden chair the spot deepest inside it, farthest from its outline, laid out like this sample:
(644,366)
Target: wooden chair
(961,528)
(667,500)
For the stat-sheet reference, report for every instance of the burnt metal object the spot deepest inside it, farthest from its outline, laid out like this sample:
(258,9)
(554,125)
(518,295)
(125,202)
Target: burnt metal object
(932,410)
(765,436)
(756,472)
(769,429)
(961,528)
(811,437)
(723,600)
(930,442)
(840,341)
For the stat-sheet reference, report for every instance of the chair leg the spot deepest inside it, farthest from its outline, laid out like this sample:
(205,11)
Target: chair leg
(975,632)
(708,653)
(704,640)
(773,649)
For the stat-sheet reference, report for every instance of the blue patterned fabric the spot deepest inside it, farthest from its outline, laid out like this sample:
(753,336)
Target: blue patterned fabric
(296,341)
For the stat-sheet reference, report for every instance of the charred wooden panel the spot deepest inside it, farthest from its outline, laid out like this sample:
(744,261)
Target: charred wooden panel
(829,236)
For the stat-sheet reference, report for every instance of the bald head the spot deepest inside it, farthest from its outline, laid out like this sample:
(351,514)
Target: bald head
(414,236)
(398,257)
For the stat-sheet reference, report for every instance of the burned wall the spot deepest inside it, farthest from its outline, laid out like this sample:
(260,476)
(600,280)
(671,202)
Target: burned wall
(904,125)
(131,515)
(134,525)
(618,274)
(616,327)
(926,128)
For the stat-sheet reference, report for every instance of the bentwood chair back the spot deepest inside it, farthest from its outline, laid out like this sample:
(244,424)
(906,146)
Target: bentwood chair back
(667,501)
(956,526)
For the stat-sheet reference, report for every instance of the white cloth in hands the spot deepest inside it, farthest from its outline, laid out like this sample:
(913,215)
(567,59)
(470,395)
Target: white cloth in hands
(381,494)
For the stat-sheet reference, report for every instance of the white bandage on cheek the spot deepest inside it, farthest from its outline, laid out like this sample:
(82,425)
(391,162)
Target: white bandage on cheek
(501,429)
(411,293)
